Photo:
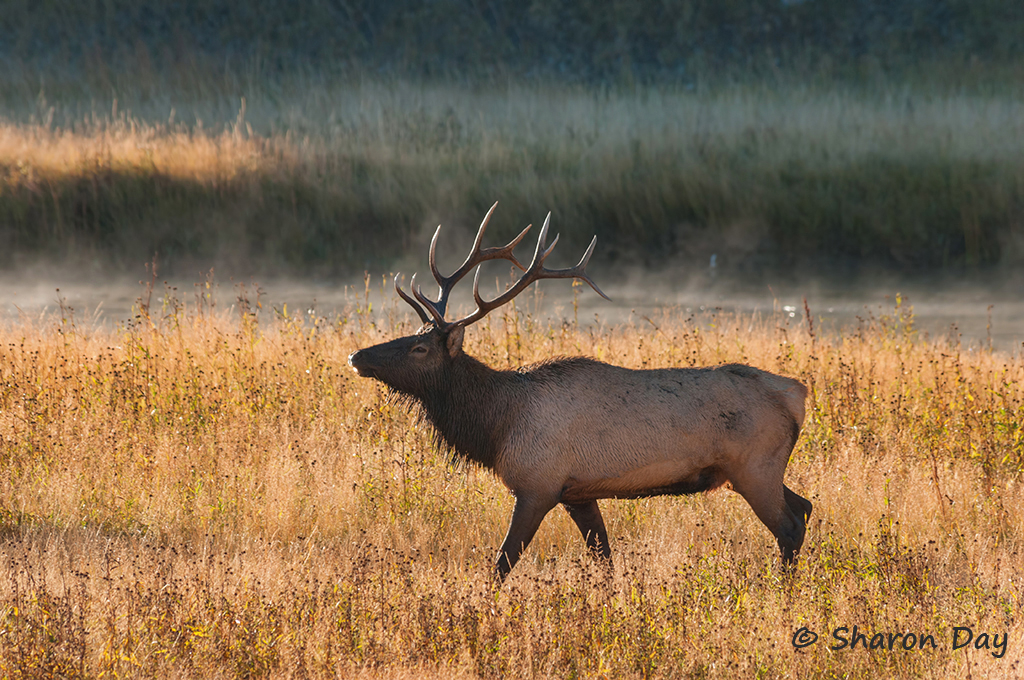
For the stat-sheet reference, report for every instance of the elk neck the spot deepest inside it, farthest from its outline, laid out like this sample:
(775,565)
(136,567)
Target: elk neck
(472,408)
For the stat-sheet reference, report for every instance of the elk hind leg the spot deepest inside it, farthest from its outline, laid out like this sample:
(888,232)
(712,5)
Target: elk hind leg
(770,503)
(588,519)
(797,503)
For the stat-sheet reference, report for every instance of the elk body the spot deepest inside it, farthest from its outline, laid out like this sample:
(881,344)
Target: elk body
(571,431)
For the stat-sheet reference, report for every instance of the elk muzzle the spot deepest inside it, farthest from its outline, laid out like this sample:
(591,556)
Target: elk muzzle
(361,364)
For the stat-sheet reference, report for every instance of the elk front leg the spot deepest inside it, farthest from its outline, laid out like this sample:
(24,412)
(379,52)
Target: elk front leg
(526,518)
(591,524)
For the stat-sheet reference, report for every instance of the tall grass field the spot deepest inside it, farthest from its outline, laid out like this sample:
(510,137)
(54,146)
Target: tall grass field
(207,490)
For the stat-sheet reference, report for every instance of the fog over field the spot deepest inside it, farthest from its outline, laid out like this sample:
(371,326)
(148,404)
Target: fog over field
(981,316)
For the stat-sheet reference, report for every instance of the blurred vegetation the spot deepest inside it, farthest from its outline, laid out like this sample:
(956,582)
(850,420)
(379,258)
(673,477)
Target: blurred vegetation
(572,40)
(333,180)
(329,138)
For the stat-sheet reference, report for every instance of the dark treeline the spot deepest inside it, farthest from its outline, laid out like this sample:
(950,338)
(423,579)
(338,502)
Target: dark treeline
(578,40)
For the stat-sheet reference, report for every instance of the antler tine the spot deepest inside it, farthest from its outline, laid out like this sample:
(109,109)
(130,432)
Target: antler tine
(535,272)
(405,296)
(541,239)
(577,272)
(431,306)
(583,276)
(475,257)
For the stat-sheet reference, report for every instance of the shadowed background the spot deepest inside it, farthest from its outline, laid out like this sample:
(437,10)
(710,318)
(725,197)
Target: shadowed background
(325,138)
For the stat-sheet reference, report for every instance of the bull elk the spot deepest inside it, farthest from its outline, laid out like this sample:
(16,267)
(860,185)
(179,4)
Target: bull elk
(571,431)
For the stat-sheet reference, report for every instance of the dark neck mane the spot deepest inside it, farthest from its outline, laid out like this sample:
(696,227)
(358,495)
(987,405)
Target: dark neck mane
(472,407)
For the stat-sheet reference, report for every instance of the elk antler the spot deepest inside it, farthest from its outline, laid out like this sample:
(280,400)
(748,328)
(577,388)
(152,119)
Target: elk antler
(535,272)
(412,303)
(476,256)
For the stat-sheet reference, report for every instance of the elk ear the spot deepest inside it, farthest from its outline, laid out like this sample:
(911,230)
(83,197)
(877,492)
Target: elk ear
(454,340)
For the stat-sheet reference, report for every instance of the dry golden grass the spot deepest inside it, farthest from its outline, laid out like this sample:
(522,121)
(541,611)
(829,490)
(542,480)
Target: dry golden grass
(212,494)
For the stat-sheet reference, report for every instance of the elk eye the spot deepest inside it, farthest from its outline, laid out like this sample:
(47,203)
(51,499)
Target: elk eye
(419,349)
